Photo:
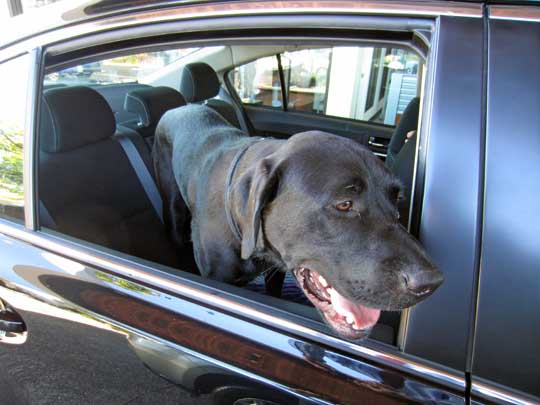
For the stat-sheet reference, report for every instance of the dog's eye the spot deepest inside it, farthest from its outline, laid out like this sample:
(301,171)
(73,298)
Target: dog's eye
(344,206)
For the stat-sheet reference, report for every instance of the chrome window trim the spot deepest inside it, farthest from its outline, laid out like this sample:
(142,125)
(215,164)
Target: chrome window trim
(247,8)
(488,391)
(147,275)
(29,141)
(422,142)
(516,13)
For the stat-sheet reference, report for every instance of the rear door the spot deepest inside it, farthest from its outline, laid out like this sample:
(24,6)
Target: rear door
(506,356)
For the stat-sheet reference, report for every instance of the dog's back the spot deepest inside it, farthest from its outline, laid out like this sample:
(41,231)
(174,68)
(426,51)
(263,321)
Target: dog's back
(186,135)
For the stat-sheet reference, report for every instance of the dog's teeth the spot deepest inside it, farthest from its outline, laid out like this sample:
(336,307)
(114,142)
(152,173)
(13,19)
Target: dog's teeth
(323,281)
(355,327)
(350,319)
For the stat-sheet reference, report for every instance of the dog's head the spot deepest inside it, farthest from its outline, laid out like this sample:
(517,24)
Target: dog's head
(327,208)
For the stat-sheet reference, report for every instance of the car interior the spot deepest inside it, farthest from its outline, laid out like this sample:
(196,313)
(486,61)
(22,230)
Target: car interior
(96,135)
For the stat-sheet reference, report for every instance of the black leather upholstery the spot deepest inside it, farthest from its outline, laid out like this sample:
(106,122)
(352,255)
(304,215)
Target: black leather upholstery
(76,116)
(115,95)
(199,83)
(91,191)
(149,105)
(408,122)
(401,152)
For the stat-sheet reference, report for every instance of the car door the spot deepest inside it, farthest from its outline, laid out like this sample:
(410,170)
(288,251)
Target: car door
(81,322)
(506,357)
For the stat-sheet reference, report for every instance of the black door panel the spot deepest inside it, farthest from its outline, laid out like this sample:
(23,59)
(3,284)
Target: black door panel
(89,314)
(508,326)
(283,124)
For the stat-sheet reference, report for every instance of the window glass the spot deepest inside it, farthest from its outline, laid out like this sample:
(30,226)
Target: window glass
(362,83)
(122,69)
(14,83)
(258,82)
(306,77)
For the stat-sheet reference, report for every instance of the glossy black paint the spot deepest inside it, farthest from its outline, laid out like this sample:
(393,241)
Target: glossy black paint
(89,330)
(183,335)
(449,222)
(508,327)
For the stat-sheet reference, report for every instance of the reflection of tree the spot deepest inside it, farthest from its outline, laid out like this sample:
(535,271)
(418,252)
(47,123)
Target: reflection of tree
(11,163)
(120,282)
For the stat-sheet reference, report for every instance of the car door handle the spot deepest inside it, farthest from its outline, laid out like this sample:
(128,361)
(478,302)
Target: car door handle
(373,141)
(11,322)
(12,326)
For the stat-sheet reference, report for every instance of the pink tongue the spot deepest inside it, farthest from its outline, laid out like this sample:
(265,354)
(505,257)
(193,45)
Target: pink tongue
(364,317)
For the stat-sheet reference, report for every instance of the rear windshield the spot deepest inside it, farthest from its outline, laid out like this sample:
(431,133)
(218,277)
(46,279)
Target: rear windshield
(123,69)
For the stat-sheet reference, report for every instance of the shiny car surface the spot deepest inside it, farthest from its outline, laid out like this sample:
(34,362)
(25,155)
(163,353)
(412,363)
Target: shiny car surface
(81,322)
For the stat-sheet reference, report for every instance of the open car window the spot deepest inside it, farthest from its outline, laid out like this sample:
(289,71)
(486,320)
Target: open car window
(104,204)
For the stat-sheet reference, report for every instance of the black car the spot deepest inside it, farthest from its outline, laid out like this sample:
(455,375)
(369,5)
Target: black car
(98,305)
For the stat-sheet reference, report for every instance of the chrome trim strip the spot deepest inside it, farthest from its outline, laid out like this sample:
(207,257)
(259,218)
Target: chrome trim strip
(498,394)
(29,146)
(246,8)
(141,273)
(422,142)
(517,13)
(380,154)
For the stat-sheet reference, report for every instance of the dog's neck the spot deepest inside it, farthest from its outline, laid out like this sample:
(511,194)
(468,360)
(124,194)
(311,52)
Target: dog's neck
(229,183)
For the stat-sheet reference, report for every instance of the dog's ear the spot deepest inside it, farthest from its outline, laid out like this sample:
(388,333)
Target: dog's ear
(259,185)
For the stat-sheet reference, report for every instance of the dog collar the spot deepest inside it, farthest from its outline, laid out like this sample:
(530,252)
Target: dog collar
(233,225)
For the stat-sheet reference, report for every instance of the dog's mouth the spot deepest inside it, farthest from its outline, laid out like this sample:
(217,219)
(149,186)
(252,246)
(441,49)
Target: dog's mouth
(350,319)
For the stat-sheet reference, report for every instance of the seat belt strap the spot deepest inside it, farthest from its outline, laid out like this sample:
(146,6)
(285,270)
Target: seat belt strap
(144,176)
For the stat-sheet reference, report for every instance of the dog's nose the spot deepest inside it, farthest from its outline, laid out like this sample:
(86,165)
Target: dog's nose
(422,282)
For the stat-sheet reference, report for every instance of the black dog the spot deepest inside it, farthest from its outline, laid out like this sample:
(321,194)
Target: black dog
(319,205)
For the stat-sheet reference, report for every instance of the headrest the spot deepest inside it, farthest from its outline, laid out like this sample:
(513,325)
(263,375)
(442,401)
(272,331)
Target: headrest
(151,103)
(198,82)
(72,117)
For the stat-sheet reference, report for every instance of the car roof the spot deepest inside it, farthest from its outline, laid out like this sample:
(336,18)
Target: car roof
(41,20)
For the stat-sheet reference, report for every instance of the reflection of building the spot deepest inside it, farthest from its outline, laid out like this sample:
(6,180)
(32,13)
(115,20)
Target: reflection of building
(12,8)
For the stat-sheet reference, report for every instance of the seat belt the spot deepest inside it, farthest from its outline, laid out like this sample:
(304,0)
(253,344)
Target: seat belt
(143,174)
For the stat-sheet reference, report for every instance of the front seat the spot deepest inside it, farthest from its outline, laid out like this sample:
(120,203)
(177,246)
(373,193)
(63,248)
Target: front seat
(401,152)
(199,83)
(87,187)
